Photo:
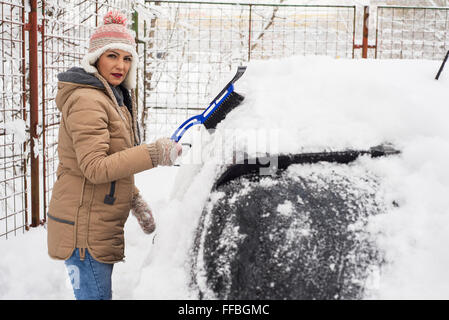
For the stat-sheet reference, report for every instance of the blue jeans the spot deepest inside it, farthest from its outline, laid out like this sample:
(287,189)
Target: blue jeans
(91,280)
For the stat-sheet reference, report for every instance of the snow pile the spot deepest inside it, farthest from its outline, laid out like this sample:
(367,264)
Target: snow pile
(293,105)
(318,103)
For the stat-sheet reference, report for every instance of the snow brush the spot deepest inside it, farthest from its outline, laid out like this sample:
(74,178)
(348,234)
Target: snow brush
(442,65)
(217,110)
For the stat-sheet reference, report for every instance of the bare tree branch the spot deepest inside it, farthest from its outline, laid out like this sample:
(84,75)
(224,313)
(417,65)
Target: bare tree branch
(267,26)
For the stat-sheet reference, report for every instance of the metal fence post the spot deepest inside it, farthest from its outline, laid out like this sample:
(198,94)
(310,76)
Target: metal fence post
(365,46)
(34,111)
(365,32)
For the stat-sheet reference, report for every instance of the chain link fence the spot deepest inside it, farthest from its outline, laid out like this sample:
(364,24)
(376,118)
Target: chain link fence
(13,119)
(192,46)
(412,32)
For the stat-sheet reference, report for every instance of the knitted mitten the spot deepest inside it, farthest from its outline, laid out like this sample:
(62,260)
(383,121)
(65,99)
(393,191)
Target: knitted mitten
(164,152)
(141,210)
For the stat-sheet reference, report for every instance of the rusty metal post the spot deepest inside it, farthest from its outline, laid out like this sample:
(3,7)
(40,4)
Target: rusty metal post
(34,112)
(365,32)
(96,13)
(365,46)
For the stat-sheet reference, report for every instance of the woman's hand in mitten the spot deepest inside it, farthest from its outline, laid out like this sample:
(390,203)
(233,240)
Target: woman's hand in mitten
(164,152)
(141,210)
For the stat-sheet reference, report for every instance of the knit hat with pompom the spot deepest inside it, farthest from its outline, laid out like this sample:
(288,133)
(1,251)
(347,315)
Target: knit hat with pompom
(113,34)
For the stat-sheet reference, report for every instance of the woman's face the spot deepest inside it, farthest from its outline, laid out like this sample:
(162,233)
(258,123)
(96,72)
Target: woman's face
(113,65)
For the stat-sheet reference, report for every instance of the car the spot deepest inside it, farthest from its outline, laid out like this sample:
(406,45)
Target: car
(298,233)
(312,187)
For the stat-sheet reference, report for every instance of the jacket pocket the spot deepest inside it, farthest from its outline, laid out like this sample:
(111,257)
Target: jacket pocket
(109,198)
(60,237)
(60,220)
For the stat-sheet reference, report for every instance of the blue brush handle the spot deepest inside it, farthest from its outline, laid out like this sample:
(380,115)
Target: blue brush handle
(199,119)
(186,125)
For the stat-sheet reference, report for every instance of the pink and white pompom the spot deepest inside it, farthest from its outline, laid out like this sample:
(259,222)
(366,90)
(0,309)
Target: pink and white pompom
(114,17)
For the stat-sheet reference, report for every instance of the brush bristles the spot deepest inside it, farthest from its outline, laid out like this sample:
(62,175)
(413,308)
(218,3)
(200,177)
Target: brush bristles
(232,101)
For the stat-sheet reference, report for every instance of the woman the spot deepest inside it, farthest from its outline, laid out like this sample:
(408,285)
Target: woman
(99,152)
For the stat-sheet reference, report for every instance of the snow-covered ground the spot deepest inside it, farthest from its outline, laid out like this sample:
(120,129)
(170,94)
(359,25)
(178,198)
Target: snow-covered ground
(301,104)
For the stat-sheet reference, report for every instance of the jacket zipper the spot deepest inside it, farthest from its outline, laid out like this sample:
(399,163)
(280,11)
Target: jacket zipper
(130,121)
(109,198)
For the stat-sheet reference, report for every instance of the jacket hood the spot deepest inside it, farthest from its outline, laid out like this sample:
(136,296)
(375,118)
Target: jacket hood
(75,78)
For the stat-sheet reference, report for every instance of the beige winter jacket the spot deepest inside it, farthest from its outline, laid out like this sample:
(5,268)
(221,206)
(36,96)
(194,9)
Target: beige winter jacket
(91,197)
